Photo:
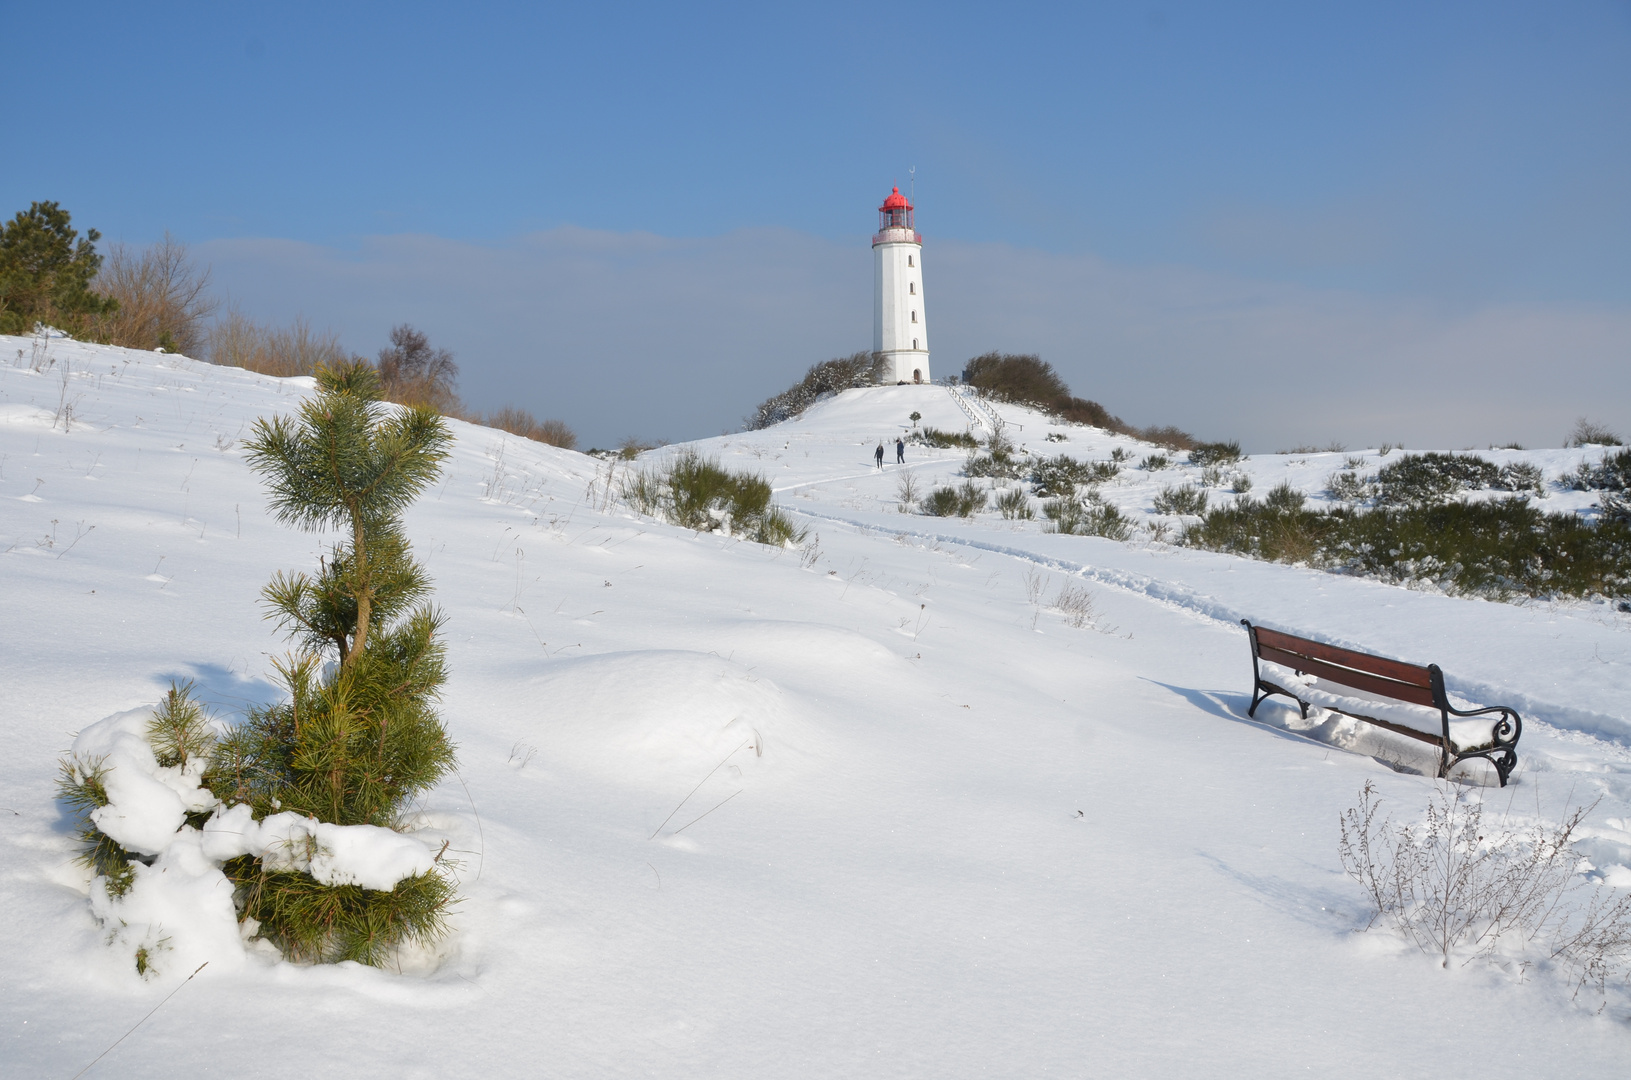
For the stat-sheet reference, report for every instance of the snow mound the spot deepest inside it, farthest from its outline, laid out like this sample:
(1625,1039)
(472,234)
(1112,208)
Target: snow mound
(651,717)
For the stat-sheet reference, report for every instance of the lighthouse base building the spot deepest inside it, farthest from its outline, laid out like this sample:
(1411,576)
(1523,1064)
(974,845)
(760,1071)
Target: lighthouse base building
(900,327)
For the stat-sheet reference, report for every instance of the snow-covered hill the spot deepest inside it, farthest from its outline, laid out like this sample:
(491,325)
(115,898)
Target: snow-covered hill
(879,807)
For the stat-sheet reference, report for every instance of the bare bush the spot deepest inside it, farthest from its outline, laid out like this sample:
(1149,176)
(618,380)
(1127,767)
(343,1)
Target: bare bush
(1588,433)
(1459,885)
(163,298)
(523,423)
(239,341)
(414,373)
(1075,603)
(906,490)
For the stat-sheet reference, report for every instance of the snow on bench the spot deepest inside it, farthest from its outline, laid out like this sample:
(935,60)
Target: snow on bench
(1394,695)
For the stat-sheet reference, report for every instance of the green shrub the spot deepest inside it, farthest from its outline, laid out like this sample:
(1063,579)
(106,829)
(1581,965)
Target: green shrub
(1155,462)
(1000,465)
(1522,476)
(1494,549)
(1346,486)
(1240,484)
(1015,505)
(944,440)
(698,493)
(1029,380)
(964,501)
(359,738)
(1215,453)
(1185,501)
(1087,517)
(47,271)
(1282,498)
(1611,476)
(1612,473)
(828,377)
(1421,479)
(1063,474)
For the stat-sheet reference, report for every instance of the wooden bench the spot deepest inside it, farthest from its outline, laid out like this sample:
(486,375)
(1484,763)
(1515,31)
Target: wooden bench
(1378,676)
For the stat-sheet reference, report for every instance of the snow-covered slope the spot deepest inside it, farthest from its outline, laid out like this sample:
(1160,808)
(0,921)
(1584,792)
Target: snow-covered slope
(874,808)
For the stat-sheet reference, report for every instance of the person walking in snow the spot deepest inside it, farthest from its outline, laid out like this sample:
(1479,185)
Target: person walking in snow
(900,450)
(879,456)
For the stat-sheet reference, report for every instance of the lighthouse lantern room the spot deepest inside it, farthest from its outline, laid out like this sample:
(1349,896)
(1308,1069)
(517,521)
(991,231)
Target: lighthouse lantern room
(900,329)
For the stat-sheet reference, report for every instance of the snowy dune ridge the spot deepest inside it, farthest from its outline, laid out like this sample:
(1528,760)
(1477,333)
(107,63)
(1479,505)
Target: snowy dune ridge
(891,805)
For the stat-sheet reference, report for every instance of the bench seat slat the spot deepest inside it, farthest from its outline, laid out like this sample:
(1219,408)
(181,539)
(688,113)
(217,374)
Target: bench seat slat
(1348,658)
(1359,680)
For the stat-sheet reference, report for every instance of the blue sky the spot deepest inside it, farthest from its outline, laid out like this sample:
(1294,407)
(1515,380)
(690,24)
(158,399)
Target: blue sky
(645,218)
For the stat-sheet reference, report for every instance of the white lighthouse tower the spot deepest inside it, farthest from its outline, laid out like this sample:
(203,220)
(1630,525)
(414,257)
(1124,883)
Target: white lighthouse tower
(900,330)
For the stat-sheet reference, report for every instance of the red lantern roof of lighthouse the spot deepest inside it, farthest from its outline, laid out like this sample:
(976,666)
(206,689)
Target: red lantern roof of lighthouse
(896,201)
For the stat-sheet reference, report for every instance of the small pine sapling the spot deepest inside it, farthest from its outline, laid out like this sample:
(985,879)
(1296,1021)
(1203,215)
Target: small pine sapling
(359,736)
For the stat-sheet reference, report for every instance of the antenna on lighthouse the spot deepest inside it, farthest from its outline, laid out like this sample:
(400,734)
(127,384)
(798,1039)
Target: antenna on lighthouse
(911,183)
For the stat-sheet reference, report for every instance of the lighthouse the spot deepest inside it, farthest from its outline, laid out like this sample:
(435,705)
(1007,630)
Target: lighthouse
(900,330)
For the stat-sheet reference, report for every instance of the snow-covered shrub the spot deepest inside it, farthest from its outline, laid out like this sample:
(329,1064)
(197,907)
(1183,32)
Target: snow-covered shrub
(1612,473)
(1015,505)
(1000,465)
(1087,516)
(1240,484)
(698,493)
(1522,476)
(963,501)
(1215,453)
(1347,486)
(177,738)
(1459,885)
(1061,475)
(1186,500)
(1421,479)
(161,845)
(1155,462)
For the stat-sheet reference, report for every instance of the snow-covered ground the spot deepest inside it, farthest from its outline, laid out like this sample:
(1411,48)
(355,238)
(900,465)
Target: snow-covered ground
(873,808)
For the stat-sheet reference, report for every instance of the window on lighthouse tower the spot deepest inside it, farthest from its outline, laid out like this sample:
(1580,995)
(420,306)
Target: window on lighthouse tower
(909,260)
(914,316)
(911,287)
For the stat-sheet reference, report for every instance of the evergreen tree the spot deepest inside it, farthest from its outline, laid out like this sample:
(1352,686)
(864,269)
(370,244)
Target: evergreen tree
(46,272)
(359,735)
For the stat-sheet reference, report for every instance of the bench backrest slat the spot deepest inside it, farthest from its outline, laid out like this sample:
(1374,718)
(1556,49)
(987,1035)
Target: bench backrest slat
(1359,680)
(1348,658)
